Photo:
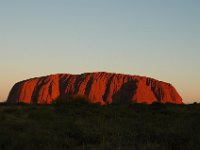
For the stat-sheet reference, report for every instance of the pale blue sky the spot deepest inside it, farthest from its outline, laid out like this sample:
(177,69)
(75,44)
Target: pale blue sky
(157,38)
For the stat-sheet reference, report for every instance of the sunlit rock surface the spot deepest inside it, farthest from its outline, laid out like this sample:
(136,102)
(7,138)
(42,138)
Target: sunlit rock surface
(100,87)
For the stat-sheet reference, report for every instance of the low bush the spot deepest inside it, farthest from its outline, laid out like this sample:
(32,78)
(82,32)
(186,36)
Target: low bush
(79,125)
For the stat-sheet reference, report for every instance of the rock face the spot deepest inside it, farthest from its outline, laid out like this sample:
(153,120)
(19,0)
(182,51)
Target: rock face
(101,87)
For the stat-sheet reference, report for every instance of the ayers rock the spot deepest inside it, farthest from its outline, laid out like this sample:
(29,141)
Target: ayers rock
(100,87)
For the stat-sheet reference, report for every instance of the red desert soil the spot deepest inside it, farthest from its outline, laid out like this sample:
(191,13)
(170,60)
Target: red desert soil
(100,87)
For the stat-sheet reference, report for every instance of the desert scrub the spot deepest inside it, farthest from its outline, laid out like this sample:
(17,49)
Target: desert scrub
(79,125)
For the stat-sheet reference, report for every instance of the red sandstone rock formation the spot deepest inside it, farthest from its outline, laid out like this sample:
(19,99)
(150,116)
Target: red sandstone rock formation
(104,88)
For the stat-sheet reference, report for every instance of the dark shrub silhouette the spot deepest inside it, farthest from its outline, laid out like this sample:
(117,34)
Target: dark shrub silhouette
(68,99)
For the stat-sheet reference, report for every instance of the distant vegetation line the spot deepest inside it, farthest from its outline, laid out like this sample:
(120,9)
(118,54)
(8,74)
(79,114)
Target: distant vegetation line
(82,125)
